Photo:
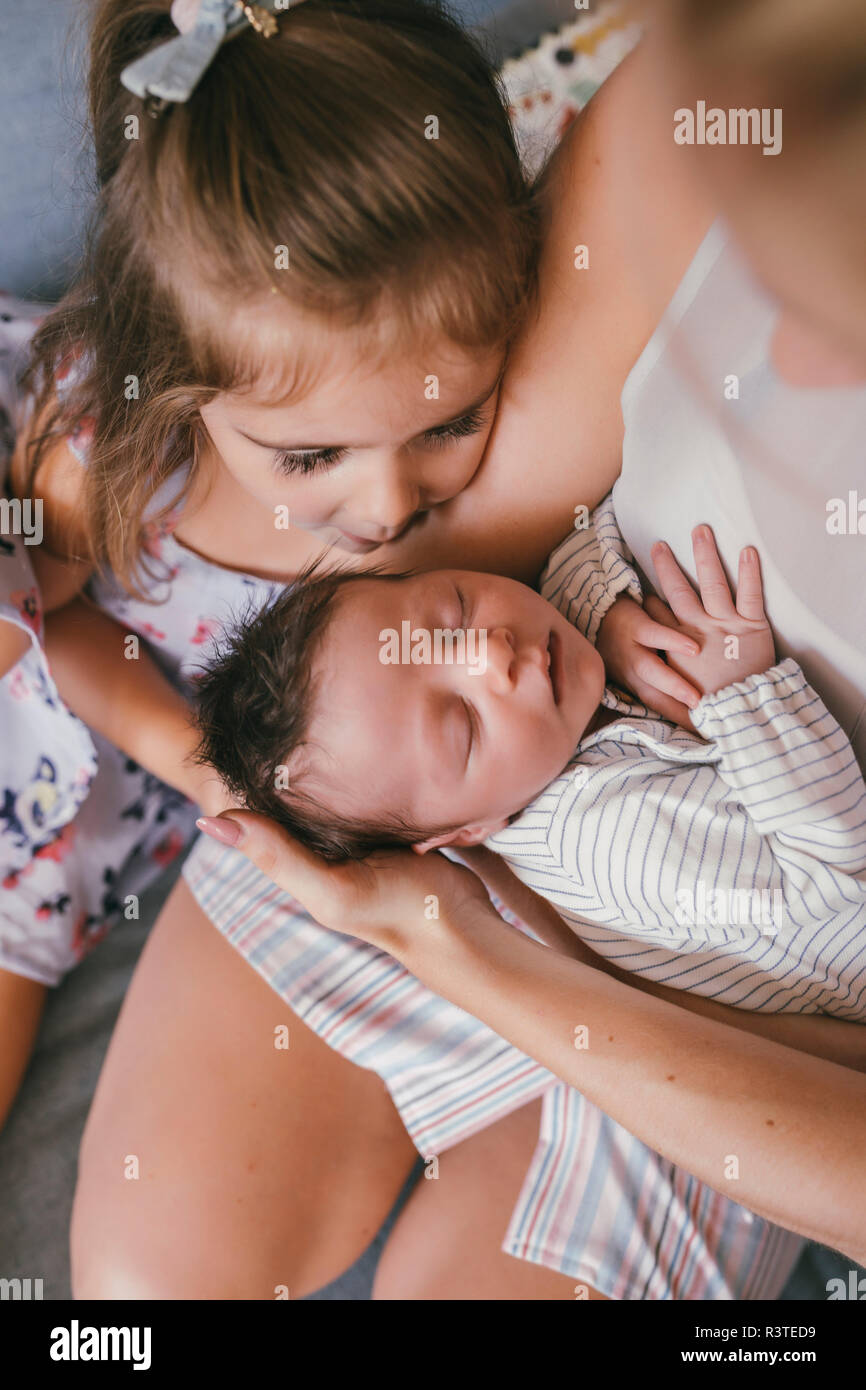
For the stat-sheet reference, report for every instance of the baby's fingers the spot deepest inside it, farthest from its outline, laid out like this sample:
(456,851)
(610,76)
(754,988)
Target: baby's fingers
(655,674)
(750,589)
(679,593)
(715,593)
(659,630)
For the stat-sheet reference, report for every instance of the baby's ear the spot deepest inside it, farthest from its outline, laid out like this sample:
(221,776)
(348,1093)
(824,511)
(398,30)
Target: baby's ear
(468,835)
(436,841)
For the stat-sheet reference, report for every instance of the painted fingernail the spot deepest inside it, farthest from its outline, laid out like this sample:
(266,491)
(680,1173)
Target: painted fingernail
(221,828)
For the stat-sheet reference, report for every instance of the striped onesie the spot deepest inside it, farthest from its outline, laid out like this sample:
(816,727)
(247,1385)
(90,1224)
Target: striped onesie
(733,865)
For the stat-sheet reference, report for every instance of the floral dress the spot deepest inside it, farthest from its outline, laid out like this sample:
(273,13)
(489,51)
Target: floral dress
(83,828)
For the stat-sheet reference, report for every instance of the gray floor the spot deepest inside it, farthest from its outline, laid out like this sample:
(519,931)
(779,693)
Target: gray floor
(45,183)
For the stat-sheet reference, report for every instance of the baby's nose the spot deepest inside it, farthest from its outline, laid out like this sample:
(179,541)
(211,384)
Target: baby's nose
(502,658)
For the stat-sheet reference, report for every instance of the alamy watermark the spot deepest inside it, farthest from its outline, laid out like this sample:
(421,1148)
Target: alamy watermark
(22,518)
(20,1290)
(730,907)
(737,126)
(77,1343)
(438,646)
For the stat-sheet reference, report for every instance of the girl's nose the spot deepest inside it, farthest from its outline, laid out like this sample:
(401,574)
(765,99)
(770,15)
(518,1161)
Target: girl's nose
(389,500)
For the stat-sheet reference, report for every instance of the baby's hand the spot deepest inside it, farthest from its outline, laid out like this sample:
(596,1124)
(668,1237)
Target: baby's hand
(629,641)
(735,640)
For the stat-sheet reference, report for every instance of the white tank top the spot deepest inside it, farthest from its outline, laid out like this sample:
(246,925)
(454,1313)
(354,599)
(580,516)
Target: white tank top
(713,434)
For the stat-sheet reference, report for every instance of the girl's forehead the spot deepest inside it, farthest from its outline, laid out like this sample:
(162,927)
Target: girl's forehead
(332,379)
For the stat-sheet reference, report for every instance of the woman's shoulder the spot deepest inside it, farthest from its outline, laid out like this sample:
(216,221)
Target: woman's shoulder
(629,192)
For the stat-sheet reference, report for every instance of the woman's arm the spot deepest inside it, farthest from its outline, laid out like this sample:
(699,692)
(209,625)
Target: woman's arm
(697,1091)
(832,1038)
(557,439)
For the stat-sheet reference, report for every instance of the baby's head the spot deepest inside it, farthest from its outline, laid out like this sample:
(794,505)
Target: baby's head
(365,710)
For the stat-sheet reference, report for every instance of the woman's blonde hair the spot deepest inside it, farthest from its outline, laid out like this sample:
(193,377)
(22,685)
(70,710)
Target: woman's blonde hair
(366,146)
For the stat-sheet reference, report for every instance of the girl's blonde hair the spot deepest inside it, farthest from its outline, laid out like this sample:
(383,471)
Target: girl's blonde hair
(318,147)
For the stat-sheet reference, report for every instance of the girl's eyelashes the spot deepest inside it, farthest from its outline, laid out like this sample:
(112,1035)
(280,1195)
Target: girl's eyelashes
(309,462)
(457,429)
(316,460)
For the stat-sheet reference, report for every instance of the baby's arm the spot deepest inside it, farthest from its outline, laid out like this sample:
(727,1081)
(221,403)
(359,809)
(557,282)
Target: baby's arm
(794,772)
(780,750)
(130,702)
(590,578)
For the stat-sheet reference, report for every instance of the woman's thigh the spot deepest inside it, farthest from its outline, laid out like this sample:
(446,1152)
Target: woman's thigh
(216,1162)
(446,1243)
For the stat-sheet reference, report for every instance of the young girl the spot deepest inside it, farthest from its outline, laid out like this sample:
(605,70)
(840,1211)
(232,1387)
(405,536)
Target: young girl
(290,332)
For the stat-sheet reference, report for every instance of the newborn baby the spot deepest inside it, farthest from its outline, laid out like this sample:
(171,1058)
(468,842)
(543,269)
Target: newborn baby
(450,708)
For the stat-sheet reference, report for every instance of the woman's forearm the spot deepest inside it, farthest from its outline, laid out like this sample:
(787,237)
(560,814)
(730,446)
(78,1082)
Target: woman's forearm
(817,1034)
(781,1132)
(834,1039)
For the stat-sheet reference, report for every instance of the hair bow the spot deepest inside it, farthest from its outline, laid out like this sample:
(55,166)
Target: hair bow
(172,71)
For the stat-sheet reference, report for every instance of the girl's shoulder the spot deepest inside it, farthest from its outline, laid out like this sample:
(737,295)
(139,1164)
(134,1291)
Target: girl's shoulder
(58,486)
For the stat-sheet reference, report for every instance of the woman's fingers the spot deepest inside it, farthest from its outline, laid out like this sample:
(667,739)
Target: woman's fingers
(290,865)
(750,588)
(715,591)
(675,586)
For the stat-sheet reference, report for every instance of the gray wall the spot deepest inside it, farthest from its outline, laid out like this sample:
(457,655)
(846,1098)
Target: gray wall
(44,168)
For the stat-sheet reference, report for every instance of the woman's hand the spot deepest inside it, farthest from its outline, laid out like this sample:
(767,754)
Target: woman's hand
(384,899)
(629,642)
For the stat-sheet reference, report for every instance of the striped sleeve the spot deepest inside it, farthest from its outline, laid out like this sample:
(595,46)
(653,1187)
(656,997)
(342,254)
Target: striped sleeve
(791,767)
(588,572)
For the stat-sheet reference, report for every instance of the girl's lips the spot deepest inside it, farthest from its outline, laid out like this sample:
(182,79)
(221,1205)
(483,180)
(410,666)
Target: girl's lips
(356,544)
(362,544)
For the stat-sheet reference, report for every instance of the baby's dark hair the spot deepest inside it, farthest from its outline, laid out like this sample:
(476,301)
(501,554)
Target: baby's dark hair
(253,708)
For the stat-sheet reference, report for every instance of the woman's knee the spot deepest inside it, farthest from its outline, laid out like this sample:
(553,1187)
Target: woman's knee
(147,1239)
(214,1165)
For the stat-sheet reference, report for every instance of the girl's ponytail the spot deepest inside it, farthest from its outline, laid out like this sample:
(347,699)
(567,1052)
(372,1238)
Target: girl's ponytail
(121,31)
